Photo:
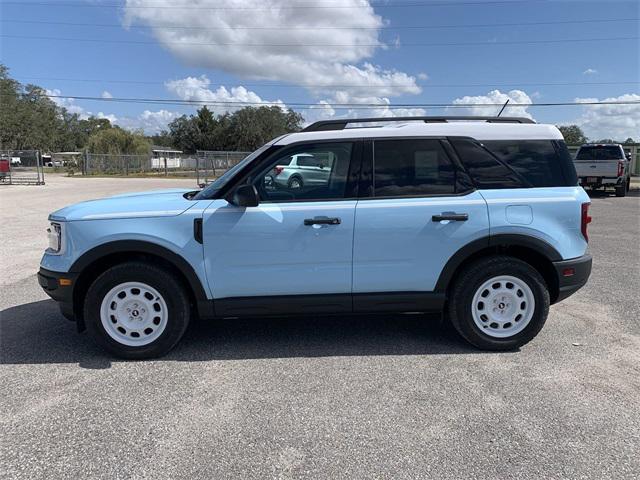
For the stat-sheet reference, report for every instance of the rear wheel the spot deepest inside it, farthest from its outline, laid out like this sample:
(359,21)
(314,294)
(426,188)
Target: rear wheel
(499,303)
(136,310)
(295,183)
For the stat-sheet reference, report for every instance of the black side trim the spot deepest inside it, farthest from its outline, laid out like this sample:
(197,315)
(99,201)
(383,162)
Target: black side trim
(501,240)
(329,304)
(540,246)
(570,285)
(137,246)
(49,281)
(283,305)
(197,230)
(398,302)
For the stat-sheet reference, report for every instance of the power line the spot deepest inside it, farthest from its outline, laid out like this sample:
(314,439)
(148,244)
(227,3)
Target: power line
(390,85)
(307,27)
(332,105)
(282,7)
(228,44)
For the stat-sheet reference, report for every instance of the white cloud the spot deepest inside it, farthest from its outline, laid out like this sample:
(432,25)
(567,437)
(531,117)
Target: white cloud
(55,95)
(148,121)
(617,122)
(494,97)
(71,107)
(590,71)
(197,89)
(106,94)
(287,51)
(109,116)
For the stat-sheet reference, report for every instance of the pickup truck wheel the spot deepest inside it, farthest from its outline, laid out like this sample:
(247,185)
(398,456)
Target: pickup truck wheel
(621,191)
(136,310)
(499,303)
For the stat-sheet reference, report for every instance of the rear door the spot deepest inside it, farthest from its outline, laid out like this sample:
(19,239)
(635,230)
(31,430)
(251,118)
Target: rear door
(416,213)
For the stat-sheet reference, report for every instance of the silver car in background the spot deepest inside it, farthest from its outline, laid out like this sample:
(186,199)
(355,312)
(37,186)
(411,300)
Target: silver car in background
(302,169)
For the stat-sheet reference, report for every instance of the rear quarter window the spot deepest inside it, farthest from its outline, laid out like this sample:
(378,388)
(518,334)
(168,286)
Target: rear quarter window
(486,171)
(539,162)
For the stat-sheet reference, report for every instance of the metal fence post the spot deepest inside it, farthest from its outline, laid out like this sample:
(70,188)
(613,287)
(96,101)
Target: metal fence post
(39,168)
(166,170)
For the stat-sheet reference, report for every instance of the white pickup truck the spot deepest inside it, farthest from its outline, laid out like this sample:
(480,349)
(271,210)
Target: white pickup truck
(602,166)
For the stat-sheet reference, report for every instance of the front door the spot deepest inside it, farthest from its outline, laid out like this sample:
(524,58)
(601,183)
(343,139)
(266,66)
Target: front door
(293,252)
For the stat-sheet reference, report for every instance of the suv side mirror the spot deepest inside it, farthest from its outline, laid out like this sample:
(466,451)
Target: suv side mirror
(244,196)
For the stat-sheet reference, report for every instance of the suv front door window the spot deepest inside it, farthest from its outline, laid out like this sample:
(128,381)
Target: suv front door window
(308,172)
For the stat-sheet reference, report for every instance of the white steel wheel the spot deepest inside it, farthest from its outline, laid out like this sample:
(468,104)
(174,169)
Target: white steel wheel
(503,306)
(134,314)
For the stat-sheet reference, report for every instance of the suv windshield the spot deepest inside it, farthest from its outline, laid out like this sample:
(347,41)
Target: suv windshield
(210,190)
(600,152)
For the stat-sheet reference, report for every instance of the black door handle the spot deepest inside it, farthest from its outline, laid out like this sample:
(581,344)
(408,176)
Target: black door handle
(322,221)
(454,217)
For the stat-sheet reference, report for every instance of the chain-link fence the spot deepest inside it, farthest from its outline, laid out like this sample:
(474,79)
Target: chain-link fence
(212,164)
(204,165)
(143,165)
(21,167)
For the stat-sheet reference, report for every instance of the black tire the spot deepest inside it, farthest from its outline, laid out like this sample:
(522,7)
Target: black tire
(471,279)
(621,191)
(290,183)
(172,292)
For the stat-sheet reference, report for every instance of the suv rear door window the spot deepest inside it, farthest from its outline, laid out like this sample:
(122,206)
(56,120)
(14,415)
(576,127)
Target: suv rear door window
(411,167)
(600,152)
(535,160)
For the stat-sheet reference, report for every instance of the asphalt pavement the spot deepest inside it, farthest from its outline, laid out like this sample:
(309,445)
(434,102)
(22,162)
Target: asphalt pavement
(322,397)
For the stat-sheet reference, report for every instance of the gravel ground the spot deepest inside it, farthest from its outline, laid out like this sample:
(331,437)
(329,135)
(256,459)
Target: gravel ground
(380,397)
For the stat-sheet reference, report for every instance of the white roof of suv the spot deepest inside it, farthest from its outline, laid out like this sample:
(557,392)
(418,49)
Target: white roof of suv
(480,130)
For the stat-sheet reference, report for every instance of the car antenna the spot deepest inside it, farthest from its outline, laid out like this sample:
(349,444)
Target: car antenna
(503,107)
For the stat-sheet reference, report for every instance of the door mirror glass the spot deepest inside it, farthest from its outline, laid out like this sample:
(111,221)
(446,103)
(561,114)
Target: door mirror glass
(244,196)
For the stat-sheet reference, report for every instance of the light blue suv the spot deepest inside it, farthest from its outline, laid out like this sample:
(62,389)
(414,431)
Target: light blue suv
(481,218)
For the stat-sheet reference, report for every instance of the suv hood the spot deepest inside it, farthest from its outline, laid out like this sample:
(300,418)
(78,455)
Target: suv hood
(157,203)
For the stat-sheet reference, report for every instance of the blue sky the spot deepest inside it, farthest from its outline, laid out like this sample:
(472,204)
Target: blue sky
(359,53)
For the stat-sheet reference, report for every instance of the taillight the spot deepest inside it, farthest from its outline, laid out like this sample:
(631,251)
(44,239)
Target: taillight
(585,220)
(620,168)
(278,170)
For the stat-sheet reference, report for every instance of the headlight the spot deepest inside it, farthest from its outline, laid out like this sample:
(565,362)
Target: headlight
(54,232)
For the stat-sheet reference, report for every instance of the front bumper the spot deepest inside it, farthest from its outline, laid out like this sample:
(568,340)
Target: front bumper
(572,275)
(59,286)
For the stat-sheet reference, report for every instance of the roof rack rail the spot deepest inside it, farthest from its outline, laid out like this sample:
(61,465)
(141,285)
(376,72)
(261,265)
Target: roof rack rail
(341,124)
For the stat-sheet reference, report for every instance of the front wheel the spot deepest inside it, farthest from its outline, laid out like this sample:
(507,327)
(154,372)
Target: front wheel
(499,303)
(136,310)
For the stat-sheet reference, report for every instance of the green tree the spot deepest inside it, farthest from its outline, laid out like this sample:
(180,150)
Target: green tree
(573,134)
(117,141)
(246,129)
(629,141)
(184,134)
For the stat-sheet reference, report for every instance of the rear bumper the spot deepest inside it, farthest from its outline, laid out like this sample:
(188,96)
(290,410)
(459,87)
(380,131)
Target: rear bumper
(599,181)
(572,275)
(63,294)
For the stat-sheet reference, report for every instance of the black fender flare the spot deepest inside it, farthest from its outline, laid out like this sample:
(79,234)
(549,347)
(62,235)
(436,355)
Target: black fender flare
(493,241)
(142,247)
